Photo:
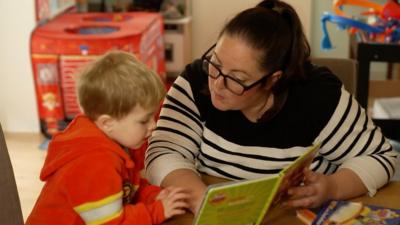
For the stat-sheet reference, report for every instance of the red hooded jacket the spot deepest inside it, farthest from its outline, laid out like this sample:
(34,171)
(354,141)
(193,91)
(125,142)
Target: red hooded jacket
(90,179)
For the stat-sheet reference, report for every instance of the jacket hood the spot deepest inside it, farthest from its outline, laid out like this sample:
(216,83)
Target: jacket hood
(81,137)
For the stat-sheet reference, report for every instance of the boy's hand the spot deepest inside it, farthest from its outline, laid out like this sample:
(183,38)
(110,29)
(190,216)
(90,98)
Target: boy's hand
(318,188)
(174,201)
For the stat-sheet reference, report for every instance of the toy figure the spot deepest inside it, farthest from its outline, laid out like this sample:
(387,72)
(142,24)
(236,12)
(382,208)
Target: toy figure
(385,28)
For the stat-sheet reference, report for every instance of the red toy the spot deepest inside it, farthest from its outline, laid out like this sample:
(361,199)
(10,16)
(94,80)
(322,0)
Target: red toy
(69,41)
(389,10)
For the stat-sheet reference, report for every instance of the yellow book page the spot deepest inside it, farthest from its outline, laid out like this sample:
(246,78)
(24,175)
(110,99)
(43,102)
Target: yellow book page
(293,175)
(237,203)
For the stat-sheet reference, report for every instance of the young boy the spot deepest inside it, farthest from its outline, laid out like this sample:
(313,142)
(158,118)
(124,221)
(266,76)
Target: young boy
(90,176)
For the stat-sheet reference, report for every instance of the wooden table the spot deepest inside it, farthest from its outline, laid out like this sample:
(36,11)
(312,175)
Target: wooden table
(388,196)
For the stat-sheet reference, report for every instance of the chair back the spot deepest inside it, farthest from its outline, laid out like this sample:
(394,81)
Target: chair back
(10,207)
(344,69)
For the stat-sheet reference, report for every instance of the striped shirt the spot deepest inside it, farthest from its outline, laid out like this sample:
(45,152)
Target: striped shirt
(191,133)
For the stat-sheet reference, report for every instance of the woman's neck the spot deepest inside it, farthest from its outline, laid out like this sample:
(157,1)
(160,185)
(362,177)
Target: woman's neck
(257,111)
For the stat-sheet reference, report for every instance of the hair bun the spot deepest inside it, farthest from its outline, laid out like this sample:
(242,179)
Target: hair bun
(272,5)
(268,4)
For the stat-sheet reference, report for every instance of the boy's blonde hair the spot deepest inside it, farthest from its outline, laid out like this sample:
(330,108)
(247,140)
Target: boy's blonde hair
(115,83)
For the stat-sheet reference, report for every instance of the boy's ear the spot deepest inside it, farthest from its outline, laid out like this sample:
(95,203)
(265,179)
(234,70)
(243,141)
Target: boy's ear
(105,123)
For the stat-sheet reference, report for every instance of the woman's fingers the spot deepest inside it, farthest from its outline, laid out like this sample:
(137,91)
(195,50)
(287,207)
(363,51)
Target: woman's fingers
(305,202)
(302,191)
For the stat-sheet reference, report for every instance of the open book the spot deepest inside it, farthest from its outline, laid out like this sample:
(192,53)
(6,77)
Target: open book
(246,202)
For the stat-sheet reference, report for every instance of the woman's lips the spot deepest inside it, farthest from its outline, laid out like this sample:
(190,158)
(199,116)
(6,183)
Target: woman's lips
(218,96)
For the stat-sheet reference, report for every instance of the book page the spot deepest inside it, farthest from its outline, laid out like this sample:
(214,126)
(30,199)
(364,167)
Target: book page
(238,203)
(293,175)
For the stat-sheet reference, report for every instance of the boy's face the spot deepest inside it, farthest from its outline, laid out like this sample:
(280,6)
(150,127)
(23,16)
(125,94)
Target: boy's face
(133,129)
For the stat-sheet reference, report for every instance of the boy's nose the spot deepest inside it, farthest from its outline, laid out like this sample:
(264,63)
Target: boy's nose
(152,125)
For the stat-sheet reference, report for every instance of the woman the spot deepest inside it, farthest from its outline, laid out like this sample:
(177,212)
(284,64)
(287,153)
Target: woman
(253,103)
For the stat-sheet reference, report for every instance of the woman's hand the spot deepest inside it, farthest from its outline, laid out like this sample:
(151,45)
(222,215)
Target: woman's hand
(317,189)
(174,200)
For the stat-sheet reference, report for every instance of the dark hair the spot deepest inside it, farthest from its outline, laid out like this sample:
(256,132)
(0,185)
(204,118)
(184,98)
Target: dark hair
(274,28)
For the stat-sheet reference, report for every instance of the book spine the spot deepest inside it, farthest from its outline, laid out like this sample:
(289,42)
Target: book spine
(268,203)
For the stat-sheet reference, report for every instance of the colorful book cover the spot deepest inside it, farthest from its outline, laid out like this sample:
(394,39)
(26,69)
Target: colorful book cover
(246,202)
(356,213)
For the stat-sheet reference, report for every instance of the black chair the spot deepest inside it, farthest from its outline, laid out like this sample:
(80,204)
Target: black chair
(344,69)
(10,206)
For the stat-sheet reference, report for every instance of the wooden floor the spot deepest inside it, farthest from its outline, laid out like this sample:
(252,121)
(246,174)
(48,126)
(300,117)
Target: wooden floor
(27,160)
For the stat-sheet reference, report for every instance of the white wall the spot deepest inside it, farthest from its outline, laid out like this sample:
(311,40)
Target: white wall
(18,111)
(209,16)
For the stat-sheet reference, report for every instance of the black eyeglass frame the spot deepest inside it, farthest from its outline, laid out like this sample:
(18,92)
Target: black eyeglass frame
(245,87)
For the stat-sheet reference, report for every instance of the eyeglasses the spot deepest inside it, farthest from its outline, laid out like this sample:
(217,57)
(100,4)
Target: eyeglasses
(231,83)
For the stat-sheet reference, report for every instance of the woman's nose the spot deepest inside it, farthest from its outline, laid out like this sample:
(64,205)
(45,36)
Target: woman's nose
(219,82)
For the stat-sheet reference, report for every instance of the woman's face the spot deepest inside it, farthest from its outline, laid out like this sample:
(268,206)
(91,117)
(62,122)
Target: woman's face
(235,59)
